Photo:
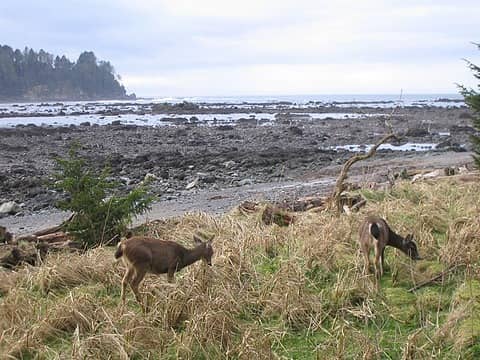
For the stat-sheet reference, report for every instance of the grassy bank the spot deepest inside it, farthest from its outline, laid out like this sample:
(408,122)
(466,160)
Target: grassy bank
(293,292)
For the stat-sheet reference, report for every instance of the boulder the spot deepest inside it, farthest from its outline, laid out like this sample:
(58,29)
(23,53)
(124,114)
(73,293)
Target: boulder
(10,207)
(191,184)
(245,182)
(150,177)
(229,164)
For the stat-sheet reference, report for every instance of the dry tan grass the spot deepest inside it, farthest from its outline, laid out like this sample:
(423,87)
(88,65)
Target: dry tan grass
(268,285)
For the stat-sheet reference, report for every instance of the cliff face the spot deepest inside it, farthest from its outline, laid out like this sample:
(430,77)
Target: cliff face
(30,76)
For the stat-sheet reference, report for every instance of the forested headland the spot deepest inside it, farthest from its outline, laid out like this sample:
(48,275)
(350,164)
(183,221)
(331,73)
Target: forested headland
(29,75)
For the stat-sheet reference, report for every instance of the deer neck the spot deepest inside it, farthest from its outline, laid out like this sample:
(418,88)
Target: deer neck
(396,241)
(192,255)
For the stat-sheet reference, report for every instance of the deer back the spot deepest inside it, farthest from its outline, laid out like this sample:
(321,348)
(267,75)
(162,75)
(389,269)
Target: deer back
(153,254)
(374,230)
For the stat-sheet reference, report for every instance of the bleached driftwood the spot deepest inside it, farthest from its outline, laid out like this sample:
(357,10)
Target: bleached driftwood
(340,184)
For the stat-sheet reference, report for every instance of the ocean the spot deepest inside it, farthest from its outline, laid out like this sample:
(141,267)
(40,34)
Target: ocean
(356,99)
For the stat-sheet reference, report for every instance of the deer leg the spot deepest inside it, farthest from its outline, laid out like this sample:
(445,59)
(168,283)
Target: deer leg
(126,280)
(366,260)
(366,264)
(139,275)
(383,260)
(170,275)
(378,266)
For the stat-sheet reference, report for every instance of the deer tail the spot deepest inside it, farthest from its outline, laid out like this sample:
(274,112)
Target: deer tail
(119,251)
(375,230)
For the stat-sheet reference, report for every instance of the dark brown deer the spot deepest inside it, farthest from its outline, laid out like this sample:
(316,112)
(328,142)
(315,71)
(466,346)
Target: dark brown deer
(375,232)
(142,255)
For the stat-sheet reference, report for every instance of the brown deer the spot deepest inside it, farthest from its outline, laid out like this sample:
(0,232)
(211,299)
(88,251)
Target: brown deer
(142,255)
(375,232)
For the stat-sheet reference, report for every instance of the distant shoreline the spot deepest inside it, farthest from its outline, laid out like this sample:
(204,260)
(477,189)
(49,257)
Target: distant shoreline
(56,100)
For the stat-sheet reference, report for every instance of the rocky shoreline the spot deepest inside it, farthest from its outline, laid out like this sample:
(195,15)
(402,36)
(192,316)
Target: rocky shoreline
(186,158)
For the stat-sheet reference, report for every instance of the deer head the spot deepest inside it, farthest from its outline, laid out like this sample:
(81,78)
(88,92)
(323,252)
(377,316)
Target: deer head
(206,248)
(410,248)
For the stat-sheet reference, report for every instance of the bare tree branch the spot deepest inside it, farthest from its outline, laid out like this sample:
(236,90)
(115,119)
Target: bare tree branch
(339,186)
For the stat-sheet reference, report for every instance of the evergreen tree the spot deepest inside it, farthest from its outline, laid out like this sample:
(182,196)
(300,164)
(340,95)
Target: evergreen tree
(29,75)
(472,99)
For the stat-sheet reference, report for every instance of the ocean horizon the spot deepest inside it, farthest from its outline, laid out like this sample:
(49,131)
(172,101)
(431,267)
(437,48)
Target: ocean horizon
(405,98)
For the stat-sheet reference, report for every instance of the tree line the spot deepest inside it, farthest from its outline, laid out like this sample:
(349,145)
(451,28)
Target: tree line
(30,75)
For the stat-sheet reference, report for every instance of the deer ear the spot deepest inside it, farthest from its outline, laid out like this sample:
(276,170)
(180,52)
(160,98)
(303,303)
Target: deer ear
(197,240)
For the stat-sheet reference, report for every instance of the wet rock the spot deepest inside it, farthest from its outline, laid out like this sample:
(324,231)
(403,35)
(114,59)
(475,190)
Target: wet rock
(247,122)
(141,158)
(16,169)
(457,148)
(181,132)
(175,120)
(164,174)
(206,178)
(209,179)
(455,129)
(417,132)
(180,175)
(225,127)
(444,144)
(295,130)
(115,159)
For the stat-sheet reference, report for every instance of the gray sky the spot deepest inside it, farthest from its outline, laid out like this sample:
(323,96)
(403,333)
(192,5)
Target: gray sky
(255,47)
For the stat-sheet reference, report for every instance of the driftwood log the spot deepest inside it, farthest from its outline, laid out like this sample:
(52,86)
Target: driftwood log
(17,256)
(55,229)
(248,207)
(35,254)
(340,184)
(55,237)
(38,245)
(303,204)
(275,215)
(280,213)
(298,205)
(438,277)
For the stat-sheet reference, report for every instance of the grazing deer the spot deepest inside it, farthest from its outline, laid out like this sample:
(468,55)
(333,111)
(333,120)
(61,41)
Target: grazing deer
(375,232)
(142,255)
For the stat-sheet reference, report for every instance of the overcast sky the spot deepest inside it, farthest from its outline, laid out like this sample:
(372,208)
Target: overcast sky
(255,47)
